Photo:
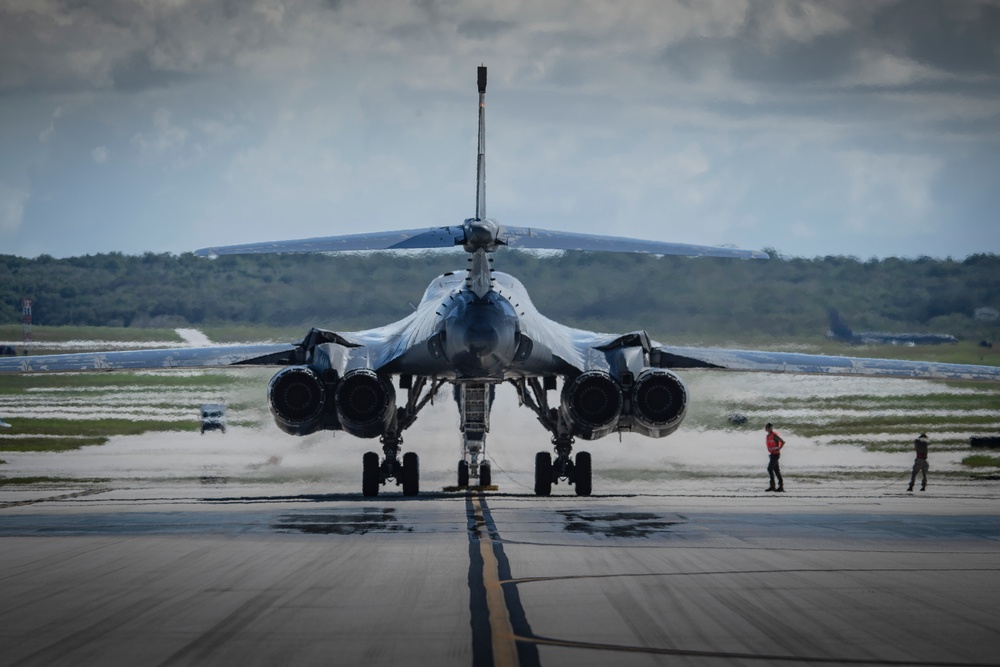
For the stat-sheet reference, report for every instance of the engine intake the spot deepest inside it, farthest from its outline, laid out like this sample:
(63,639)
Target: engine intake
(296,396)
(592,403)
(365,403)
(659,402)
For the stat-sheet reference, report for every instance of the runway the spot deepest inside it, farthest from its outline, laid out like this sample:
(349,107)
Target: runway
(188,573)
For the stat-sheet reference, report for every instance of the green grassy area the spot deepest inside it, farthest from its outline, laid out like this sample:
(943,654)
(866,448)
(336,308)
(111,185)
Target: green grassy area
(45,334)
(903,425)
(126,380)
(93,427)
(986,399)
(982,461)
(963,352)
(222,333)
(127,394)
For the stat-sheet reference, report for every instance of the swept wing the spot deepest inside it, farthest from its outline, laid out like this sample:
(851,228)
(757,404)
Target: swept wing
(676,357)
(185,357)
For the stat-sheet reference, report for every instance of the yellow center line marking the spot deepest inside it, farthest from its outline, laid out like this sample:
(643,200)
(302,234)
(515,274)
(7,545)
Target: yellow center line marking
(501,630)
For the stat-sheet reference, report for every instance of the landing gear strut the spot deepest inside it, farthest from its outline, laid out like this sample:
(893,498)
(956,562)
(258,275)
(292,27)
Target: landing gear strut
(406,473)
(548,471)
(474,402)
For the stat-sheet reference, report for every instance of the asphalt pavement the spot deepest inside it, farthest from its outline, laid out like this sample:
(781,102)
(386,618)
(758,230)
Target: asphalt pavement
(209,572)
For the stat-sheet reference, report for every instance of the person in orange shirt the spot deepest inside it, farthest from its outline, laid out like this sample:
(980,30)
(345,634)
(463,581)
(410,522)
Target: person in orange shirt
(774,445)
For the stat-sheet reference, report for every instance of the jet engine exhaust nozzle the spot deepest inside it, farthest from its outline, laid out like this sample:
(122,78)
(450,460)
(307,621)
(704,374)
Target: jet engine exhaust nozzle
(592,402)
(659,402)
(365,403)
(296,397)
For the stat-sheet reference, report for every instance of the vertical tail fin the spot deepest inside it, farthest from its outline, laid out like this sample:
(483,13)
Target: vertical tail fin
(838,325)
(481,159)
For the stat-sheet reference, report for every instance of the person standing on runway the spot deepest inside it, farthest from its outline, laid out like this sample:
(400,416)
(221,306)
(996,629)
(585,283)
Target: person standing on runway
(774,445)
(920,462)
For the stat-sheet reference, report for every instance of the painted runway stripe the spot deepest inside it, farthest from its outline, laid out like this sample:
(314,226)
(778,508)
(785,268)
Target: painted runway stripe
(497,618)
(769,659)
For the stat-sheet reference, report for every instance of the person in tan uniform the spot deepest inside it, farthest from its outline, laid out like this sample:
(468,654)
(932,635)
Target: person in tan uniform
(920,462)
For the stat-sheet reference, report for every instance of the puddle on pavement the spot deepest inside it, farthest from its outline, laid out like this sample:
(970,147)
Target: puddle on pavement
(616,524)
(368,520)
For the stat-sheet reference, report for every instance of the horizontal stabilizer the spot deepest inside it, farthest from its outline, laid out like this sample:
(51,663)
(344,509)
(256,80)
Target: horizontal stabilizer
(459,235)
(528,237)
(405,239)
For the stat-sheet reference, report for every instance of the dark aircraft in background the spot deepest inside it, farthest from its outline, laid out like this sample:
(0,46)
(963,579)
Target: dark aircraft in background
(473,330)
(839,330)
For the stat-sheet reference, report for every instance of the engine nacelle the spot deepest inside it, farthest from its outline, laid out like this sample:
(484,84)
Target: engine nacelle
(365,403)
(297,396)
(659,403)
(592,403)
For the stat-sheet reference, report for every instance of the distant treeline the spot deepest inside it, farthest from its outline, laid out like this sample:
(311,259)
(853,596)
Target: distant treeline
(607,292)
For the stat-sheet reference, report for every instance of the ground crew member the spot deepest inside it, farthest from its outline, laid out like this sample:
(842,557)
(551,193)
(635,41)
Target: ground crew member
(920,462)
(774,445)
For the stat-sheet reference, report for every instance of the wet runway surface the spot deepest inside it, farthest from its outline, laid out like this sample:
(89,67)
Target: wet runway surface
(233,574)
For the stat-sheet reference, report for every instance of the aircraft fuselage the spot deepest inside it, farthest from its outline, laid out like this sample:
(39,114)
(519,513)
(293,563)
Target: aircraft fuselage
(480,335)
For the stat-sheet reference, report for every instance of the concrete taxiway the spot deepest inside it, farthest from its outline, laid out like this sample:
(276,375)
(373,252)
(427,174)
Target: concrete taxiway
(189,573)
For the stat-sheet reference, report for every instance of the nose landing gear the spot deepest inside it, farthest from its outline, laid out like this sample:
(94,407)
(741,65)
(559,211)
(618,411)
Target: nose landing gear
(474,403)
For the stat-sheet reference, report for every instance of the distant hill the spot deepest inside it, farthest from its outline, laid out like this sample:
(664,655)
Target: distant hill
(609,292)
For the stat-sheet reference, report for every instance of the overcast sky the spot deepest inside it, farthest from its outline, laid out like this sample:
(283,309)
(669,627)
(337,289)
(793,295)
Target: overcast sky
(866,128)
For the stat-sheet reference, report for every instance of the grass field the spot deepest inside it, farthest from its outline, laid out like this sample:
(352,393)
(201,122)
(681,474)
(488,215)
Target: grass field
(57,412)
(43,334)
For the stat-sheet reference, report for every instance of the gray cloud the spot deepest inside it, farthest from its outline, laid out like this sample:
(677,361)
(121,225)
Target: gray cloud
(743,121)
(12,203)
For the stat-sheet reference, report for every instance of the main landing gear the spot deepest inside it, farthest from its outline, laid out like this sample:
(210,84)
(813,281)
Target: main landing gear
(532,393)
(549,472)
(406,472)
(374,474)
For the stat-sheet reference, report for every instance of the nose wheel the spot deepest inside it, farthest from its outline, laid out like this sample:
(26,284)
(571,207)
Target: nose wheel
(465,474)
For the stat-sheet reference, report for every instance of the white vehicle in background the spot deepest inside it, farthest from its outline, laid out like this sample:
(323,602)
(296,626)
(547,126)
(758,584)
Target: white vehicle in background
(213,417)
(4,424)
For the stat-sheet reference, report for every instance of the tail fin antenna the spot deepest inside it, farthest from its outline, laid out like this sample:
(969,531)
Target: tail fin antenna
(481,159)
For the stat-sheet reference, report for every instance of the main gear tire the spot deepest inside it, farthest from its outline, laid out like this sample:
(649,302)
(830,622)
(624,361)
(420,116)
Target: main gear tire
(582,474)
(543,474)
(411,474)
(371,475)
(463,474)
(485,474)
